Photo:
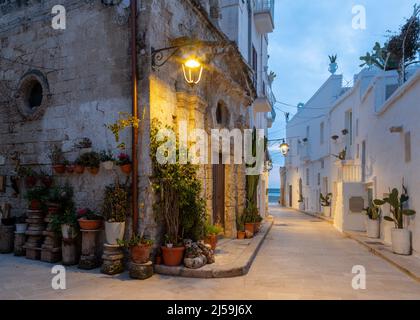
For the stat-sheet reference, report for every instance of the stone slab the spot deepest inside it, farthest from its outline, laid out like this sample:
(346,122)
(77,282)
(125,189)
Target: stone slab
(233,258)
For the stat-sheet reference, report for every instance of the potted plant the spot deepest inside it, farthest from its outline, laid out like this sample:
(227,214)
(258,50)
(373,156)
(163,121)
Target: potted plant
(36,197)
(60,199)
(115,209)
(240,225)
(172,251)
(140,248)
(79,166)
(211,233)
(251,215)
(46,179)
(89,220)
(373,215)
(92,161)
(66,223)
(400,237)
(326,204)
(69,167)
(30,176)
(107,159)
(57,159)
(84,146)
(124,163)
(21,225)
(333,64)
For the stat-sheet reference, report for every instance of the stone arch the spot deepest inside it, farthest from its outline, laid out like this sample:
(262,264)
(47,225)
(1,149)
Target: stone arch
(33,94)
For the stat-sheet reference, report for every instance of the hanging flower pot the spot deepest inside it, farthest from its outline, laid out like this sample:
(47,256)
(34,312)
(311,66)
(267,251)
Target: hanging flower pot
(59,168)
(93,170)
(79,169)
(126,169)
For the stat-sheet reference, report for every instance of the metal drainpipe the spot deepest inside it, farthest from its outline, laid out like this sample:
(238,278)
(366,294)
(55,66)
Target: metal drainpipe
(135,132)
(249,32)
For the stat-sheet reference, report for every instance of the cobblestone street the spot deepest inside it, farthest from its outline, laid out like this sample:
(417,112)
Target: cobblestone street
(301,258)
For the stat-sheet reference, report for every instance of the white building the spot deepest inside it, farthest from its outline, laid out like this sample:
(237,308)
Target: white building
(376,123)
(248,23)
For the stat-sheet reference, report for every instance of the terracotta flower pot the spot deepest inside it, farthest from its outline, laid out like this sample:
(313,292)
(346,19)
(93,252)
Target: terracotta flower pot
(59,168)
(140,254)
(70,169)
(172,257)
(79,169)
(30,182)
(93,170)
(126,168)
(250,227)
(35,204)
(90,224)
(241,235)
(212,241)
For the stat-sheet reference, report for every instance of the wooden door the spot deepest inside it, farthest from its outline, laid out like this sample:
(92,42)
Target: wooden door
(219,193)
(290,196)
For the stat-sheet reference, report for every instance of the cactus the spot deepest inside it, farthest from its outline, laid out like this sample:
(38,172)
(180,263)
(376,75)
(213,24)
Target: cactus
(325,200)
(397,203)
(373,212)
(333,58)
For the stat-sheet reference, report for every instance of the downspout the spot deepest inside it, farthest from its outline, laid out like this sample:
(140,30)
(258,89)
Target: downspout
(135,131)
(249,33)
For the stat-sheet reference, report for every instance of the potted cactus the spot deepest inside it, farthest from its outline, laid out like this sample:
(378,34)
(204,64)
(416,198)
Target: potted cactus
(333,64)
(326,204)
(211,233)
(373,215)
(400,237)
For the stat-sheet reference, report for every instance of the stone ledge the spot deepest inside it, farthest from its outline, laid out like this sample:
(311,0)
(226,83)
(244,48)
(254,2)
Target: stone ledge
(235,262)
(410,265)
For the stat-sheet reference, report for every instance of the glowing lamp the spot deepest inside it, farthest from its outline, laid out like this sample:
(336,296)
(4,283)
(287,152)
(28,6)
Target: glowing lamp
(193,71)
(284,148)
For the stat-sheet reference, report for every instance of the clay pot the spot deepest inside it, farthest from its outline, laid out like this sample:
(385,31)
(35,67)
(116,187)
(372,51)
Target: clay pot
(126,168)
(140,254)
(212,241)
(90,224)
(241,235)
(59,168)
(35,204)
(79,169)
(250,227)
(30,182)
(70,169)
(173,257)
(47,181)
(93,170)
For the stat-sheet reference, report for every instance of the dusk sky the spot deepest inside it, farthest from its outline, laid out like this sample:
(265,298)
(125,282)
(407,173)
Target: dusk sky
(306,33)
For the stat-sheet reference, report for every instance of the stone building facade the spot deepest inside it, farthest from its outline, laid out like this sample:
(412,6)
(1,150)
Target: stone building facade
(84,76)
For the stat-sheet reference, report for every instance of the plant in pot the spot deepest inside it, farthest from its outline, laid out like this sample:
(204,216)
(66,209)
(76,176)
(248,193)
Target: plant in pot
(400,237)
(107,159)
(124,163)
(91,161)
(251,215)
(21,224)
(30,176)
(60,199)
(66,224)
(79,165)
(326,204)
(140,248)
(89,220)
(211,234)
(373,215)
(240,225)
(46,179)
(84,146)
(57,159)
(36,197)
(115,208)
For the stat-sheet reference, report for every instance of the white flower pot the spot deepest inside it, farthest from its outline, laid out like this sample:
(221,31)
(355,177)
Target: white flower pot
(108,165)
(401,241)
(21,227)
(326,211)
(373,228)
(114,231)
(68,231)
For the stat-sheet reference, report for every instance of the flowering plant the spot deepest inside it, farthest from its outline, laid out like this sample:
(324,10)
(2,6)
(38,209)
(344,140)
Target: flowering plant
(123,159)
(87,214)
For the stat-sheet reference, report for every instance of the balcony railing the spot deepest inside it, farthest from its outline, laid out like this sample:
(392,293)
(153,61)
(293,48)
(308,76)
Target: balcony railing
(349,172)
(264,15)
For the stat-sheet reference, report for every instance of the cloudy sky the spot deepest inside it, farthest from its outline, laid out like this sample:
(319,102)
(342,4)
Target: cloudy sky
(306,33)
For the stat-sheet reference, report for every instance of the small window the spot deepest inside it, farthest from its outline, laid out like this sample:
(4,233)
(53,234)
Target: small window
(222,114)
(35,96)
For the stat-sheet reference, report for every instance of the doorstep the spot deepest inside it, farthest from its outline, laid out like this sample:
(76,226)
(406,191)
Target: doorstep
(233,258)
(410,265)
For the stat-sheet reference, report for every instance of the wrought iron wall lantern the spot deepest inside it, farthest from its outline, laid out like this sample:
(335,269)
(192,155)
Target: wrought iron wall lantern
(193,55)
(284,148)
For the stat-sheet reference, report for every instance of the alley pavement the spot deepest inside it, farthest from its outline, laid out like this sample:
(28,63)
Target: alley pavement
(301,258)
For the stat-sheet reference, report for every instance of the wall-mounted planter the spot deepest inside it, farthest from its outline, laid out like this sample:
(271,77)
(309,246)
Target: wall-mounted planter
(59,168)
(126,168)
(79,169)
(93,170)
(108,165)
